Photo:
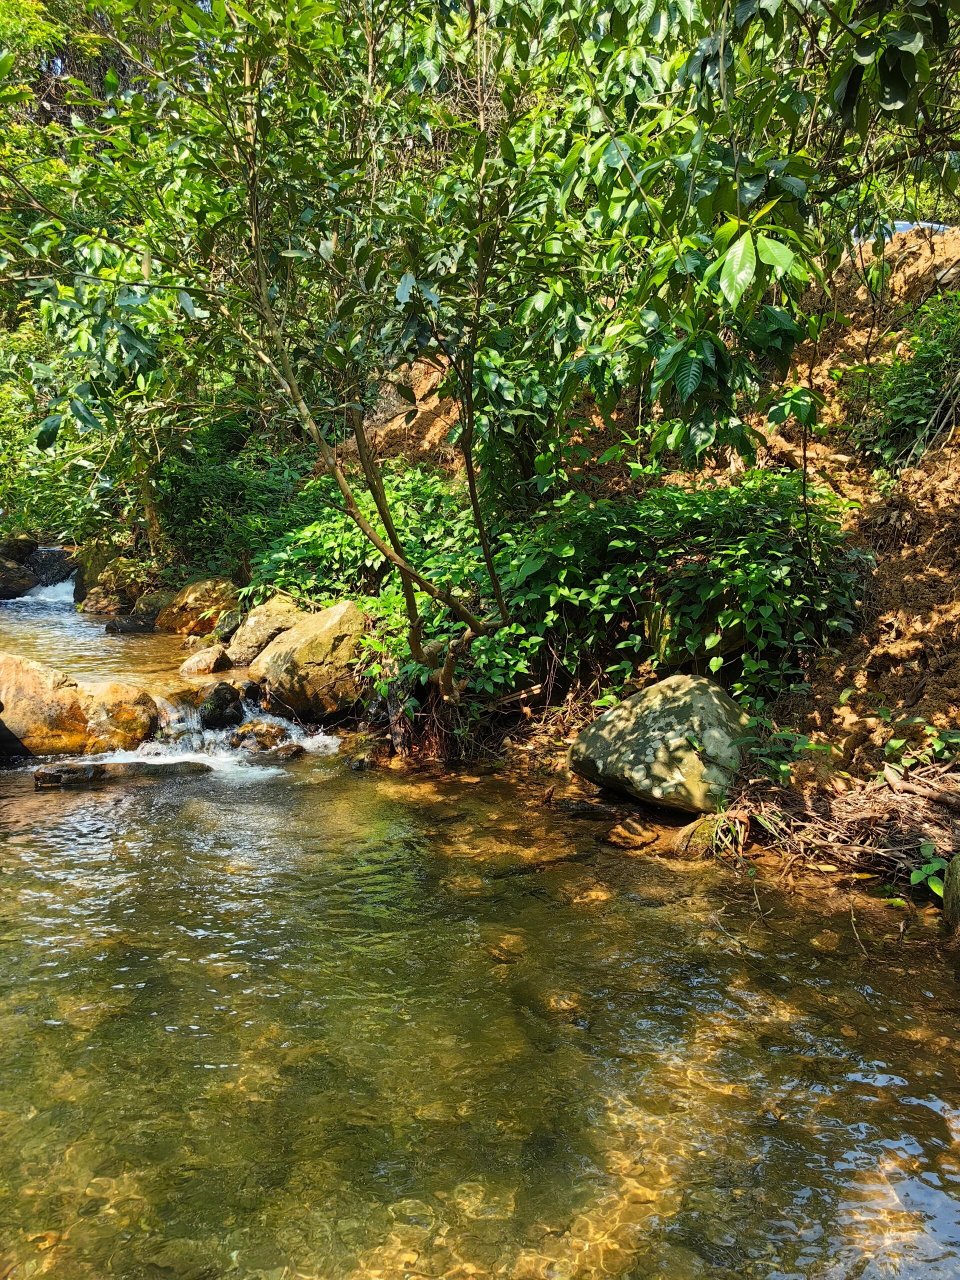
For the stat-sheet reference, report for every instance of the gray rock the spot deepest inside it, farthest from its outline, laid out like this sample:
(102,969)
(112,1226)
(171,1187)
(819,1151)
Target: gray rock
(87,775)
(673,744)
(262,625)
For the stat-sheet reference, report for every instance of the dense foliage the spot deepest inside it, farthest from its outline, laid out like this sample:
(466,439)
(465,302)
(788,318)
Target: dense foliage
(226,230)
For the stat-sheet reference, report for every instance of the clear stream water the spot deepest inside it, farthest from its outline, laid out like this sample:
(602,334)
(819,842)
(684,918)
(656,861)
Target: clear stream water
(305,1022)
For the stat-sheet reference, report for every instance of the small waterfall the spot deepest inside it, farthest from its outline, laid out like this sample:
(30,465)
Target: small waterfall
(52,565)
(58,593)
(181,736)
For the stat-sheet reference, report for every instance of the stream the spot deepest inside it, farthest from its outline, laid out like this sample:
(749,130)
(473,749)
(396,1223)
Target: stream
(302,1023)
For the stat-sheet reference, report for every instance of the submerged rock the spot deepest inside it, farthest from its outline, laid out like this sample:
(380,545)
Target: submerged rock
(196,610)
(221,707)
(262,625)
(15,579)
(206,661)
(132,626)
(674,744)
(46,712)
(85,775)
(309,670)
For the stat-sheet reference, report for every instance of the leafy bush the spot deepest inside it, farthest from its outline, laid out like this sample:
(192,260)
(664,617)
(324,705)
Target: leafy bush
(915,396)
(744,575)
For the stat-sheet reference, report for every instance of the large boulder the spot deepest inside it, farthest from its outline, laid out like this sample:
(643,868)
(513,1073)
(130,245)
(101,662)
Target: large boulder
(260,626)
(309,670)
(18,547)
(46,712)
(15,579)
(675,744)
(196,609)
(90,560)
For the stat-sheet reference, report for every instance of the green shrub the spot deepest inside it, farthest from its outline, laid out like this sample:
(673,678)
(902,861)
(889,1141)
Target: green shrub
(912,398)
(681,575)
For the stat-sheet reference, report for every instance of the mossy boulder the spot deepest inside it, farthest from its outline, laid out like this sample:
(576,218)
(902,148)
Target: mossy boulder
(196,610)
(674,744)
(309,669)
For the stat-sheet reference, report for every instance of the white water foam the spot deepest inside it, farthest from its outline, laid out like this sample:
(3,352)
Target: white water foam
(59,593)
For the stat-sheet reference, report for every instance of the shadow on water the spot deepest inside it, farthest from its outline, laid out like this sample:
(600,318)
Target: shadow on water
(305,1026)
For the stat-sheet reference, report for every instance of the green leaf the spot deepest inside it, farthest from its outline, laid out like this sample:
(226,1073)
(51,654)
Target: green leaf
(739,269)
(405,287)
(936,884)
(186,303)
(6,63)
(688,375)
(775,254)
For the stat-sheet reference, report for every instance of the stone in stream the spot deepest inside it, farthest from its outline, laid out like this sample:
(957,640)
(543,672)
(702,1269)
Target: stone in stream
(91,773)
(131,626)
(309,670)
(206,661)
(258,735)
(262,625)
(15,579)
(221,707)
(675,744)
(46,712)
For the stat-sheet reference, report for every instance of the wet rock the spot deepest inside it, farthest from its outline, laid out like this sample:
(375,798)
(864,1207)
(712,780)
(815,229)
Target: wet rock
(51,565)
(206,661)
(86,775)
(99,600)
(118,586)
(19,547)
(131,626)
(15,579)
(119,716)
(258,735)
(673,744)
(46,712)
(309,670)
(262,625)
(221,707)
(286,751)
(197,609)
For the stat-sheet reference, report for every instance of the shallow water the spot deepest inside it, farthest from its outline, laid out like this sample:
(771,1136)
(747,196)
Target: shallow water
(44,626)
(304,1022)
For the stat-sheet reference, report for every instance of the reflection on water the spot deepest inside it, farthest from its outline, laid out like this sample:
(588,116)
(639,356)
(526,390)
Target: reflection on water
(336,1025)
